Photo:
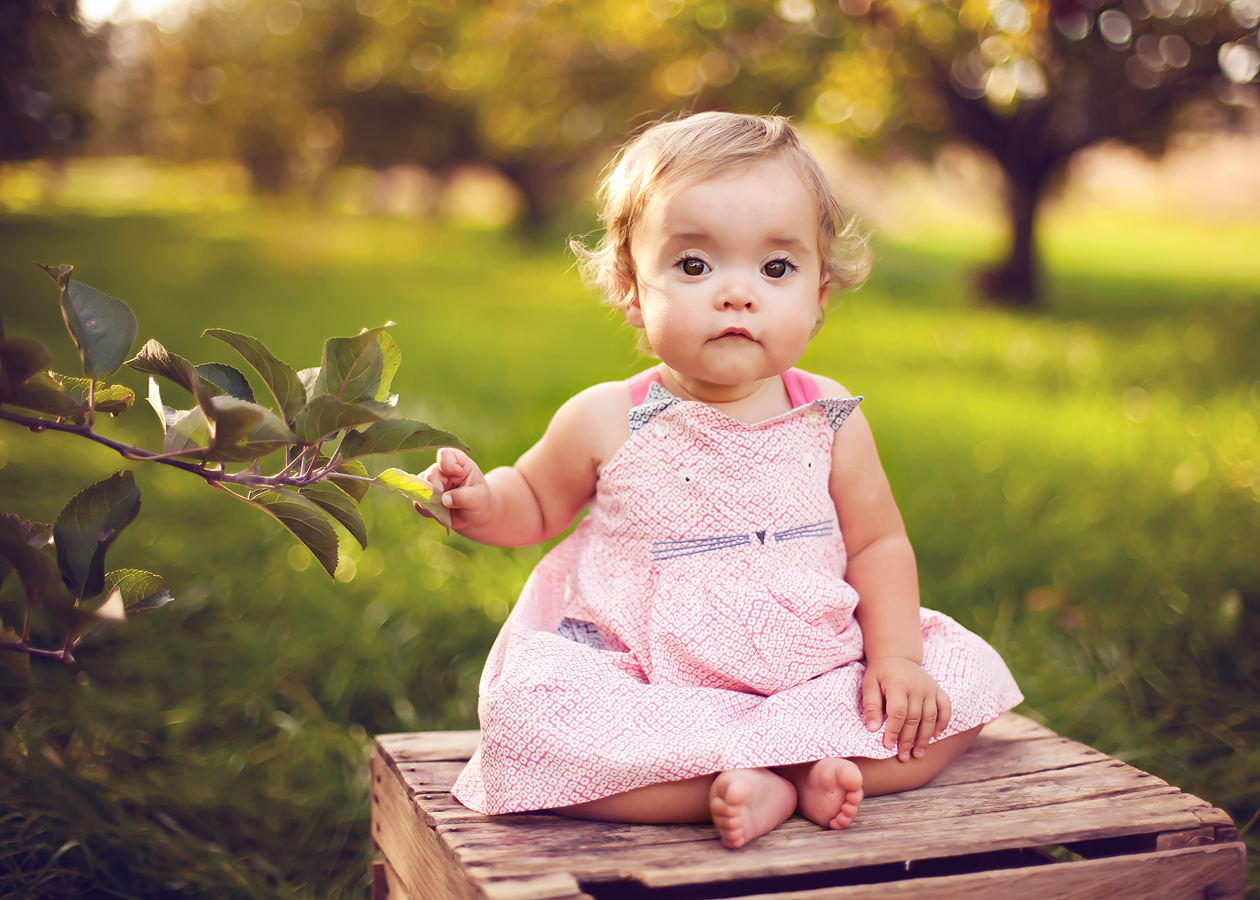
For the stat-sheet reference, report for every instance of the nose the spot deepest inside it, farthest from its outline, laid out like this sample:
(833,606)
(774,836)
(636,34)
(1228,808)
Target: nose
(734,294)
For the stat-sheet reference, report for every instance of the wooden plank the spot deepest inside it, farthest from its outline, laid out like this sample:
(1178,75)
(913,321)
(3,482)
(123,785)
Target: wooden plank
(420,746)
(989,759)
(1218,872)
(422,777)
(1013,727)
(555,886)
(928,809)
(808,848)
(425,868)
(386,885)
(1190,837)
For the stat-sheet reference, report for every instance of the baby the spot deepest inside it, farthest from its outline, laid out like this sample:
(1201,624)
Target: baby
(733,632)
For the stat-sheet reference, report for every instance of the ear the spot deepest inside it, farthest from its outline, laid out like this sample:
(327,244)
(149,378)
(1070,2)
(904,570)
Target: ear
(824,286)
(628,285)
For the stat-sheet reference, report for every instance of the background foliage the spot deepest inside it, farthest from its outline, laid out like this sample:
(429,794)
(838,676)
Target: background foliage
(1078,485)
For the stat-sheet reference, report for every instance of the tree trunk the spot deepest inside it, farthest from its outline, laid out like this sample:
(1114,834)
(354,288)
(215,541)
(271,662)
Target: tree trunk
(1017,280)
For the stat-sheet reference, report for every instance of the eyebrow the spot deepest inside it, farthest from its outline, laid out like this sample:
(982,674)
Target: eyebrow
(779,241)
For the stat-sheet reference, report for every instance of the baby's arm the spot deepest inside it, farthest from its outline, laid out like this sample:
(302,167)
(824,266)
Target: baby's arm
(539,496)
(882,570)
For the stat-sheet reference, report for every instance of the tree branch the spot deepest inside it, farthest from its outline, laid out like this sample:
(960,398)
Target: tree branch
(61,656)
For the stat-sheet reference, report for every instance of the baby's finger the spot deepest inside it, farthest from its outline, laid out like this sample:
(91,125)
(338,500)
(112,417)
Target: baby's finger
(451,461)
(872,702)
(905,740)
(927,727)
(895,703)
(943,711)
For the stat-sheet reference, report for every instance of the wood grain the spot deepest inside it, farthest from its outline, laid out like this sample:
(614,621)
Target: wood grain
(429,745)
(424,866)
(1216,872)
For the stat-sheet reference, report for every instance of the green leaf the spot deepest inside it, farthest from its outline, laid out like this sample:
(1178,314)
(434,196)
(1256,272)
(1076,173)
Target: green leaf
(355,490)
(112,399)
(103,328)
(69,615)
(42,393)
(228,380)
(351,368)
(20,358)
(391,359)
(21,550)
(187,433)
(17,663)
(141,591)
(304,520)
(88,526)
(424,495)
(326,415)
(281,380)
(394,436)
(154,359)
(340,507)
(165,414)
(242,431)
(308,378)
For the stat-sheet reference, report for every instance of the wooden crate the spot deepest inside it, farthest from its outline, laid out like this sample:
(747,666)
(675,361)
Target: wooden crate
(1024,814)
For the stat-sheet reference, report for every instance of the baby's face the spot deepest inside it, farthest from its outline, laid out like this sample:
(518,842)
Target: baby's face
(729,274)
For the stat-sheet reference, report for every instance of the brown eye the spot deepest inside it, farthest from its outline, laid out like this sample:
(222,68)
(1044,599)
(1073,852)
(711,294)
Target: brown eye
(693,266)
(776,268)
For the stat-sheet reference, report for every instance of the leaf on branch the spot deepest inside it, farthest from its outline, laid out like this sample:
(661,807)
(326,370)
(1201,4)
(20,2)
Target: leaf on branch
(424,495)
(352,368)
(88,526)
(17,663)
(326,415)
(103,328)
(241,431)
(154,359)
(309,378)
(355,490)
(228,380)
(112,398)
(340,507)
(69,615)
(304,521)
(166,415)
(112,610)
(281,380)
(42,393)
(21,551)
(141,591)
(20,358)
(391,359)
(395,436)
(187,433)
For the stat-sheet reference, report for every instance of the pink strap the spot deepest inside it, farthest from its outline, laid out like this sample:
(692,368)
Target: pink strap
(802,387)
(640,384)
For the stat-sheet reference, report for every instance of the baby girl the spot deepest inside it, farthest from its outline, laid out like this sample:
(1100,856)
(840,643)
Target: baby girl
(733,632)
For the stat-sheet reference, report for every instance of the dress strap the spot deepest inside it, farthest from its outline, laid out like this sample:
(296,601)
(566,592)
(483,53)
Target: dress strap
(802,387)
(640,385)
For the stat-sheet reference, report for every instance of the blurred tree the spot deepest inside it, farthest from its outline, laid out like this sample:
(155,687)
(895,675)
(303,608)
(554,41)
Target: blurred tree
(46,65)
(1032,82)
(537,86)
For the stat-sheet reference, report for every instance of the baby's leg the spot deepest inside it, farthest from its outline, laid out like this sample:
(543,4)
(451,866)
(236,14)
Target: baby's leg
(891,776)
(742,803)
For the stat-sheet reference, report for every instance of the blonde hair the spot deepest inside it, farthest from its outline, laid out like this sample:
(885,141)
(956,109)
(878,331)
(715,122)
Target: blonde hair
(701,146)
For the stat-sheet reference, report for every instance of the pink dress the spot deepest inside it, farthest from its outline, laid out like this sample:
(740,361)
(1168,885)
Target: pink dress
(697,620)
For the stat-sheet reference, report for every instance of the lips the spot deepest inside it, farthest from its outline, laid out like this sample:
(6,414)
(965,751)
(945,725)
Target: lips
(736,332)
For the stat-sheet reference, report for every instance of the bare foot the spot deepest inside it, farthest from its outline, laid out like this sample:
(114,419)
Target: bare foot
(746,803)
(830,791)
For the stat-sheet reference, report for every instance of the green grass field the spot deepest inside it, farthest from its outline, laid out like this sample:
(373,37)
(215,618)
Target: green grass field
(1080,484)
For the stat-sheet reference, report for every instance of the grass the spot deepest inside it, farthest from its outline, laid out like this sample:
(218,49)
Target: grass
(1078,483)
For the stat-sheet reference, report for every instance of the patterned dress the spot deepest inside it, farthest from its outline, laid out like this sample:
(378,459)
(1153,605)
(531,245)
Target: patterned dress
(697,620)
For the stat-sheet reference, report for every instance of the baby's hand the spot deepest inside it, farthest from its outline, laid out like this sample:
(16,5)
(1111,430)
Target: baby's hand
(464,489)
(917,709)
